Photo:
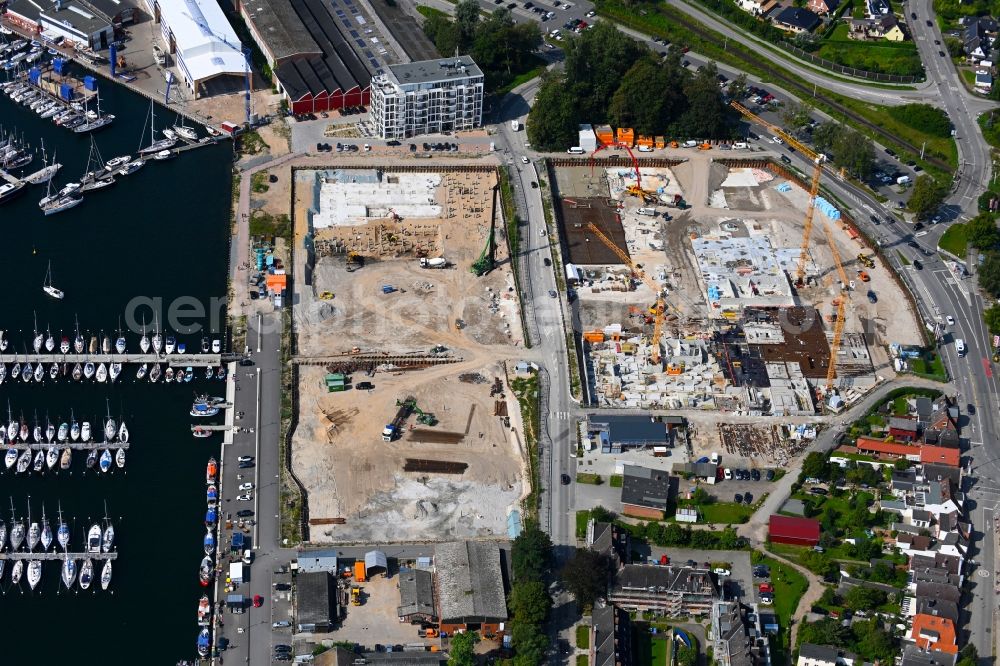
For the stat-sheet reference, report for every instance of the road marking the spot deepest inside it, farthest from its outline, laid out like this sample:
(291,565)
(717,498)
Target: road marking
(987,368)
(984,573)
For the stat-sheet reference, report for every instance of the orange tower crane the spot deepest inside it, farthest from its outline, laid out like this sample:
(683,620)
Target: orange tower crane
(817,159)
(659,309)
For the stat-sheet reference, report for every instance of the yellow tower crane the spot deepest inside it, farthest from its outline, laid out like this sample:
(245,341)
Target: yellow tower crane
(818,159)
(658,310)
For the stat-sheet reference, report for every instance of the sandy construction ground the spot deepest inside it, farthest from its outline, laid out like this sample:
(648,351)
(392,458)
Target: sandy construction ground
(352,475)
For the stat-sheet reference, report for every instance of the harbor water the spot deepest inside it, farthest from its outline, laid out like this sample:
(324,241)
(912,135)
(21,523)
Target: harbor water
(159,234)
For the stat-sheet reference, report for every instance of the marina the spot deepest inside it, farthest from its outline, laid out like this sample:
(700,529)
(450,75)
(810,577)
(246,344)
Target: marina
(98,267)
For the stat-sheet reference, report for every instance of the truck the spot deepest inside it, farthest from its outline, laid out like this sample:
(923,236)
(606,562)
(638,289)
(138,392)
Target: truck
(355,595)
(515,125)
(392,430)
(650,212)
(388,289)
(437,262)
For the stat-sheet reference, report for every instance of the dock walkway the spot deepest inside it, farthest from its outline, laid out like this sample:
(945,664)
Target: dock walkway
(172,360)
(25,555)
(76,446)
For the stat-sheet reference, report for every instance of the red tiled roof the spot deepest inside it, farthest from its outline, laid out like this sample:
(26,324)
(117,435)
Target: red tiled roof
(941,455)
(867,444)
(942,626)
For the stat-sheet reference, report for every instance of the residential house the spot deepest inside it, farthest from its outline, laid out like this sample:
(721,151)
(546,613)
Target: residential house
(669,590)
(610,637)
(886,27)
(903,482)
(940,455)
(732,645)
(646,492)
(797,20)
(757,7)
(924,408)
(980,34)
(914,656)
(920,518)
(876,9)
(896,506)
(934,633)
(938,608)
(937,472)
(903,428)
(934,575)
(610,540)
(887,450)
(984,81)
(823,7)
(938,591)
(953,543)
(824,655)
(938,498)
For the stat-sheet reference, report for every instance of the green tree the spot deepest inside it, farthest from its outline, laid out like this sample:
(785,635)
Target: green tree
(901,465)
(639,101)
(530,553)
(554,118)
(502,48)
(829,597)
(586,576)
(816,466)
(595,65)
(529,602)
(530,644)
(461,652)
(707,116)
(855,152)
(700,496)
(601,515)
(466,21)
(982,232)
(796,115)
(858,598)
(825,632)
(989,273)
(969,656)
(738,87)
(687,656)
(991,316)
(443,32)
(825,135)
(928,195)
(873,641)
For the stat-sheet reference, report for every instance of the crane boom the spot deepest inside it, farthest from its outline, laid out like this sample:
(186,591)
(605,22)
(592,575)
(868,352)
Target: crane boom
(817,159)
(659,308)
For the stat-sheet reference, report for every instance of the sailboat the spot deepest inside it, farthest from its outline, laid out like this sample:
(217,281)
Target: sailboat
(106,575)
(16,529)
(17,571)
(62,532)
(78,341)
(60,201)
(95,119)
(34,573)
(47,287)
(96,175)
(51,457)
(108,538)
(154,374)
(144,340)
(36,343)
(102,373)
(45,174)
(68,571)
(3,536)
(105,461)
(155,146)
(157,339)
(114,370)
(34,532)
(120,343)
(24,461)
(140,373)
(184,131)
(66,459)
(120,458)
(86,574)
(94,539)
(50,342)
(122,432)
(46,537)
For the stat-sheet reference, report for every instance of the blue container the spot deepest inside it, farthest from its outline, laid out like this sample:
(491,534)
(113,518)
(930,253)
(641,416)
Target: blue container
(59,65)
(66,91)
(113,58)
(90,83)
(35,75)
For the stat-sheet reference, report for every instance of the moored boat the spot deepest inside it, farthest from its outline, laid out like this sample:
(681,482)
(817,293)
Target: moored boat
(86,574)
(105,461)
(106,575)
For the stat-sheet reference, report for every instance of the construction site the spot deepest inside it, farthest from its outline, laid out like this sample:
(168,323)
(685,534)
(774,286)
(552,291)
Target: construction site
(404,328)
(707,281)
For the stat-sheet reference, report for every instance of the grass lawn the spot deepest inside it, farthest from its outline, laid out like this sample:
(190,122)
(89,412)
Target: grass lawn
(583,636)
(930,366)
(523,77)
(991,128)
(616,481)
(583,660)
(592,479)
(582,518)
(954,240)
(902,258)
(726,512)
(969,76)
(789,586)
(428,12)
(900,406)
(874,56)
(648,650)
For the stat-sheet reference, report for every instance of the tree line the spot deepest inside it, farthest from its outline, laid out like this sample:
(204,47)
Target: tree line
(502,48)
(610,78)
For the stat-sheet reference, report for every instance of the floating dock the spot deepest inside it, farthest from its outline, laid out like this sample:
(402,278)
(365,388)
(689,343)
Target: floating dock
(25,555)
(76,446)
(172,360)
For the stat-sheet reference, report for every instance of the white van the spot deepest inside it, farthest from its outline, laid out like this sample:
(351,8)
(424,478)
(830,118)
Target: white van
(645,149)
(690,144)
(903,180)
(960,346)
(739,145)
(649,212)
(576,150)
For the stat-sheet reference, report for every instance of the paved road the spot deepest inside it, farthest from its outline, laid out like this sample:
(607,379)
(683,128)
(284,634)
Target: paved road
(258,387)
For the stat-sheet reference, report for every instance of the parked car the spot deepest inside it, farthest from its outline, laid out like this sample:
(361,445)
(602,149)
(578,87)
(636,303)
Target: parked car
(766,588)
(721,571)
(755,474)
(769,475)
(281,587)
(767,599)
(738,498)
(245,459)
(281,624)
(747,498)
(244,513)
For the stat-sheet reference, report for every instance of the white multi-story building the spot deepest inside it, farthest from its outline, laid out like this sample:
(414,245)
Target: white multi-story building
(427,97)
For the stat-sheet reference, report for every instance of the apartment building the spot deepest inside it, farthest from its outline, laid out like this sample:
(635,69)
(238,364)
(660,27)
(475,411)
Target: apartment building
(427,97)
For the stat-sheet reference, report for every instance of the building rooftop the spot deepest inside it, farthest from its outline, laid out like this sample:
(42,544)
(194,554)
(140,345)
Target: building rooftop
(612,636)
(914,656)
(337,68)
(940,455)
(791,526)
(205,40)
(803,19)
(433,71)
(81,15)
(416,593)
(869,445)
(647,487)
(281,28)
(470,581)
(318,560)
(826,653)
(934,632)
(663,579)
(626,428)
(315,602)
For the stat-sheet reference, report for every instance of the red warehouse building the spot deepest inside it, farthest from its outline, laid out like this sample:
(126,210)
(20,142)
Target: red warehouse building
(321,62)
(794,531)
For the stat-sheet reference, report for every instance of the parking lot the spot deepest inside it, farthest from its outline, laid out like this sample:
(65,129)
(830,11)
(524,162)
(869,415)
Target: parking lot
(740,582)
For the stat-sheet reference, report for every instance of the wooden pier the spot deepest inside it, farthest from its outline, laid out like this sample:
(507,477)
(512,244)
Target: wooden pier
(211,428)
(172,360)
(75,446)
(25,555)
